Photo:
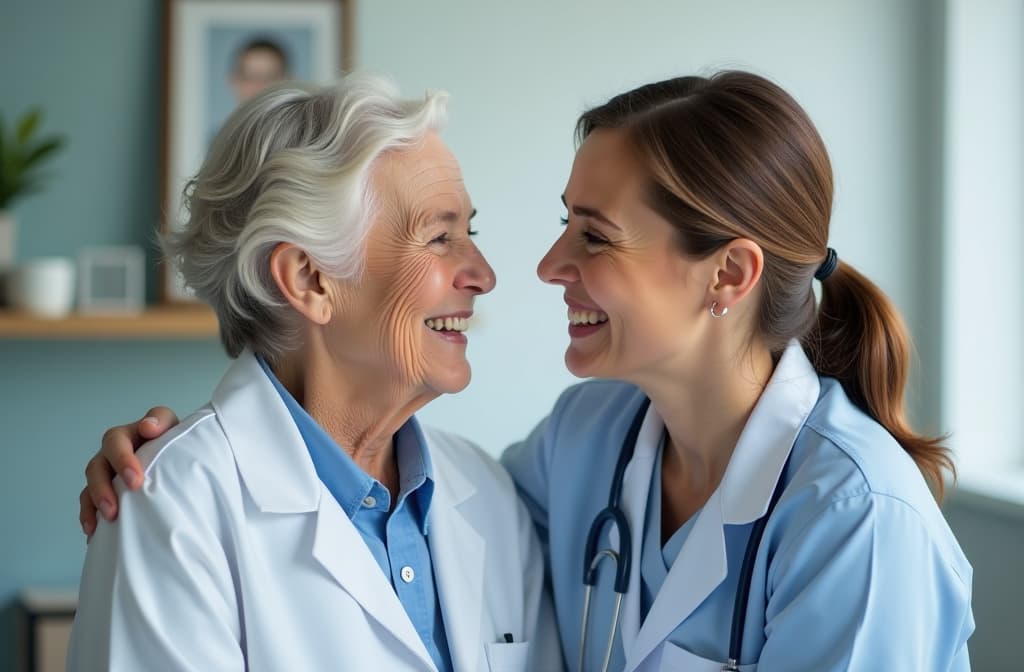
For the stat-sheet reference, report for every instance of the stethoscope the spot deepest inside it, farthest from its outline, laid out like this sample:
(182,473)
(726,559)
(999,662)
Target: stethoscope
(622,560)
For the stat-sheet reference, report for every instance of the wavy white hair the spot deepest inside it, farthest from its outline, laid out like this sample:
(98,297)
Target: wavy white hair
(291,165)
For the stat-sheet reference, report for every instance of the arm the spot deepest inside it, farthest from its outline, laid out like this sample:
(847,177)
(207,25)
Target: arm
(157,591)
(541,625)
(864,586)
(117,457)
(529,463)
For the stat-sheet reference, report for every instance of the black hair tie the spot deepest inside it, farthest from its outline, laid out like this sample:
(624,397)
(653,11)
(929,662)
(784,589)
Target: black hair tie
(827,266)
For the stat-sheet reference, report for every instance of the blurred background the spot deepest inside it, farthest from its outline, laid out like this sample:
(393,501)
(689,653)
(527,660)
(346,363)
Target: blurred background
(920,102)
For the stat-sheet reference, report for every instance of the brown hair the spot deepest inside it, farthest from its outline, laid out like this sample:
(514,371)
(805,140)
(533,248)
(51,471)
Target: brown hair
(734,156)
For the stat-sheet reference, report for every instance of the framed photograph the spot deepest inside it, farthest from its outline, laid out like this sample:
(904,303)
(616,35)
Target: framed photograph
(111,280)
(221,52)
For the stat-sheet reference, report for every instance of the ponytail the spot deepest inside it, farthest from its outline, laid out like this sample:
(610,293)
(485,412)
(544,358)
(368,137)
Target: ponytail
(861,340)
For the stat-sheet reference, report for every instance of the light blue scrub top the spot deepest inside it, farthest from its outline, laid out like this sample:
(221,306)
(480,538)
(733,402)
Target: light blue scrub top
(857,569)
(396,536)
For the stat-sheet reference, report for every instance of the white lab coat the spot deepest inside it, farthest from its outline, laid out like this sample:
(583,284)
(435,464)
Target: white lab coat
(235,556)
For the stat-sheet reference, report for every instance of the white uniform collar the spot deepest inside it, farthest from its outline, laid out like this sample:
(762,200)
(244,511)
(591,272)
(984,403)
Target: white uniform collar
(742,497)
(768,437)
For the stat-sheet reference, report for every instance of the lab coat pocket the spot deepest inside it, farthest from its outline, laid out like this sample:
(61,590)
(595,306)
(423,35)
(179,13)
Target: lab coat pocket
(507,656)
(676,658)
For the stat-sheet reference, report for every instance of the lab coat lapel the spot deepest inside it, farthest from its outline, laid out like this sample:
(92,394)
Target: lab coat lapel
(458,552)
(341,551)
(636,487)
(699,569)
(742,497)
(279,475)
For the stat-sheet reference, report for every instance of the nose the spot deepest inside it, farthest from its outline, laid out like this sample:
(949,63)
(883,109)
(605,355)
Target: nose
(557,267)
(476,276)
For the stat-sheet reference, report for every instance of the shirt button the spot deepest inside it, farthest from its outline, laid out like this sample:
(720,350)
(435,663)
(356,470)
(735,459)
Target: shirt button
(407,574)
(369,501)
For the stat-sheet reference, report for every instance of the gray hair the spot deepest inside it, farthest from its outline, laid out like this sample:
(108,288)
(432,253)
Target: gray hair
(291,165)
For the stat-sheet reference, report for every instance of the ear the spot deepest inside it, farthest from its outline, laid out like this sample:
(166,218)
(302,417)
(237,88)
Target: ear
(301,282)
(740,263)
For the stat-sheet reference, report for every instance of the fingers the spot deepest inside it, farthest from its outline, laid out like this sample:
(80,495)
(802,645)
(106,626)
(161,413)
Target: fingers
(86,513)
(117,456)
(157,421)
(99,478)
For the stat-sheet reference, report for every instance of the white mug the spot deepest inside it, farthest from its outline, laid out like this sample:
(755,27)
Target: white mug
(44,286)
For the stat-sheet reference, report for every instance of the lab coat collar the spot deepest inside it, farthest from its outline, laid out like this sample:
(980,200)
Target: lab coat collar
(458,552)
(742,497)
(269,450)
(280,477)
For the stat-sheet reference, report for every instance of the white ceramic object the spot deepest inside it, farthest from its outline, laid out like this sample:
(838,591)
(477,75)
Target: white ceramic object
(7,240)
(44,286)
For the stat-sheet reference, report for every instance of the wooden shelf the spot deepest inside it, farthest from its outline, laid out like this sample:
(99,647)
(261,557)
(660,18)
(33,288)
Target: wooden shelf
(157,322)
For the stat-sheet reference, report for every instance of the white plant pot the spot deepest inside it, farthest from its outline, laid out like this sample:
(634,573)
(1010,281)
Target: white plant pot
(7,240)
(44,286)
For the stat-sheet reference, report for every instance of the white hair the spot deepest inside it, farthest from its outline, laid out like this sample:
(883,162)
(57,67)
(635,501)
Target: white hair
(291,165)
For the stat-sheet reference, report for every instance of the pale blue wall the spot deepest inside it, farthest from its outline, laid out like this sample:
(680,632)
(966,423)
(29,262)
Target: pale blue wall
(94,66)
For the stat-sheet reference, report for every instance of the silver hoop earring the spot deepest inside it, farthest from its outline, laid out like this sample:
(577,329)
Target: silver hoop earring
(725,310)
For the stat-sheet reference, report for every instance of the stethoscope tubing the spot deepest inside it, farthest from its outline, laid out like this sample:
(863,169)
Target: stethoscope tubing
(622,560)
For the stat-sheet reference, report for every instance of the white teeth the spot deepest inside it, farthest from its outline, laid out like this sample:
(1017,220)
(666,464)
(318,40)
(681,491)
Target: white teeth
(448,323)
(586,317)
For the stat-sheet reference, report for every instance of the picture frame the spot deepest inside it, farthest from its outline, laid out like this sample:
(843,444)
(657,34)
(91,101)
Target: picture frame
(218,52)
(112,280)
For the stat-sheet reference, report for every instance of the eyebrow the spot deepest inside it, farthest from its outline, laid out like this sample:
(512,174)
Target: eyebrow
(451,217)
(592,213)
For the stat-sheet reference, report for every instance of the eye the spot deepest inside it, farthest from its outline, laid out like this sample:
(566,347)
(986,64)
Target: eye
(564,220)
(592,239)
(471,231)
(440,240)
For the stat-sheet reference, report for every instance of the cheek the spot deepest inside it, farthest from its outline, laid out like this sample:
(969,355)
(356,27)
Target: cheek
(407,299)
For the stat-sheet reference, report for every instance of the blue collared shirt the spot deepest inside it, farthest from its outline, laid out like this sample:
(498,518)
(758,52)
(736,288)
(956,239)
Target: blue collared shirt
(397,536)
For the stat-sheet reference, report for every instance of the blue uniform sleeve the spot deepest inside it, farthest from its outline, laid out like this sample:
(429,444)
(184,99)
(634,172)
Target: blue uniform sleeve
(863,586)
(529,463)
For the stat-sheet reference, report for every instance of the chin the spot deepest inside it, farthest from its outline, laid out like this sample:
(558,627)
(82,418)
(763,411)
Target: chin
(451,382)
(580,365)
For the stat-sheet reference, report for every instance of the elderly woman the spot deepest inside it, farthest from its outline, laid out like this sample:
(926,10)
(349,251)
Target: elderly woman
(303,519)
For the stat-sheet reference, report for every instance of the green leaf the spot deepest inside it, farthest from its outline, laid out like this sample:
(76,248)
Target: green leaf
(41,151)
(27,125)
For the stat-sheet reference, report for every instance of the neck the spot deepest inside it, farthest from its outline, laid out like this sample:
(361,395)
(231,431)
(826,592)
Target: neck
(360,409)
(704,413)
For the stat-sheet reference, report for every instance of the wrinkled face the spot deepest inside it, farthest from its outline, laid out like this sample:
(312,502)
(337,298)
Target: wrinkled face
(633,298)
(407,315)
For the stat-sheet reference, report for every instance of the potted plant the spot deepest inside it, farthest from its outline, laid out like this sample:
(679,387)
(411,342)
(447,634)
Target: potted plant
(21,155)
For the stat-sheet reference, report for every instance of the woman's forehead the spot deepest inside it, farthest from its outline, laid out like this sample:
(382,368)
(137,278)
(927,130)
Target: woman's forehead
(606,167)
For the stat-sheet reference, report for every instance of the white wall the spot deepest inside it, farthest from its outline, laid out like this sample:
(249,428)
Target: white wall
(984,321)
(521,72)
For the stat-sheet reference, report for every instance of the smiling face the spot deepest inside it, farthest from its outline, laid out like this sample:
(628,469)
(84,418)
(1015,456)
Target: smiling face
(404,318)
(634,300)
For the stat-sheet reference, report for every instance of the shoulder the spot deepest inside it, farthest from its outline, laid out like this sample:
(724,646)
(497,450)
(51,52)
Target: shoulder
(192,439)
(846,450)
(588,413)
(595,397)
(178,463)
(847,471)
(451,451)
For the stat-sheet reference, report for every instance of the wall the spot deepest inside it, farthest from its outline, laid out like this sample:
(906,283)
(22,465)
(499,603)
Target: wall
(869,73)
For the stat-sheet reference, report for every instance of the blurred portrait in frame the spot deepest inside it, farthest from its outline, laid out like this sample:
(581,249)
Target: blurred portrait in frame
(219,53)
